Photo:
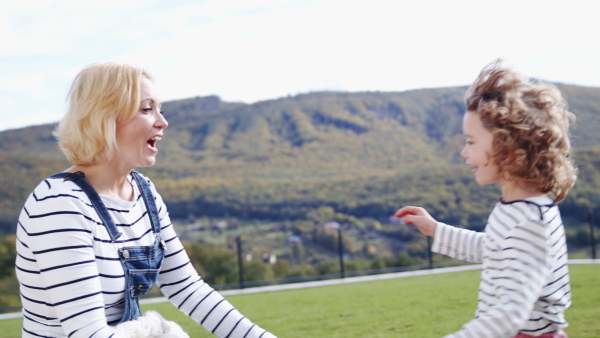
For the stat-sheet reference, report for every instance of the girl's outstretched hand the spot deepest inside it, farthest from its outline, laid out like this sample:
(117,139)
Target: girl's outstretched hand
(419,217)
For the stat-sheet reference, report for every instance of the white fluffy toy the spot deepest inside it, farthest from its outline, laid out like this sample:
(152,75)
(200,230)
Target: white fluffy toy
(150,325)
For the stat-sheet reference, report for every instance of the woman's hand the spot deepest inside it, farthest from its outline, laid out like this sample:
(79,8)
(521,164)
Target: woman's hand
(419,217)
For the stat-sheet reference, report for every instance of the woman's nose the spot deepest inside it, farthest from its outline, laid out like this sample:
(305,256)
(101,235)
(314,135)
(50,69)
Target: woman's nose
(161,121)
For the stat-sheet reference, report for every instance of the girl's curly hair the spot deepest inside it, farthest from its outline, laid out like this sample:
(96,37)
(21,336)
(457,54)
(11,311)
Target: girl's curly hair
(530,123)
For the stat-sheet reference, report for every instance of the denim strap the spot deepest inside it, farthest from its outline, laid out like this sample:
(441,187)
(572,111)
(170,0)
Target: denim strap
(79,179)
(149,200)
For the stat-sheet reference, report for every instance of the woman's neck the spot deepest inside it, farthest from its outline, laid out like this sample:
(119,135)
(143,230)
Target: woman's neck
(107,180)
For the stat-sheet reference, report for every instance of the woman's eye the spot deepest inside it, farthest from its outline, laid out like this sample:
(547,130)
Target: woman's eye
(147,110)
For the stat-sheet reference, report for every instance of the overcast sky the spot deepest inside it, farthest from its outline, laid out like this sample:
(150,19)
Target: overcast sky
(253,50)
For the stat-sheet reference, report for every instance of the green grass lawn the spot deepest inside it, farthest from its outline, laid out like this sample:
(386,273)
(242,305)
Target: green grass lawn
(422,306)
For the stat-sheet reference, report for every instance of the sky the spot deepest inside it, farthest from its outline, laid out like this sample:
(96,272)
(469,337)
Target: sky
(255,50)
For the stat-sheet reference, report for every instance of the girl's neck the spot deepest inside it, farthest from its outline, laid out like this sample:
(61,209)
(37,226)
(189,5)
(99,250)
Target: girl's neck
(516,191)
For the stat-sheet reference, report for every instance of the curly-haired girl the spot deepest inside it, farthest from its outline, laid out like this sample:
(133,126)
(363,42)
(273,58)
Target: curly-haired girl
(516,132)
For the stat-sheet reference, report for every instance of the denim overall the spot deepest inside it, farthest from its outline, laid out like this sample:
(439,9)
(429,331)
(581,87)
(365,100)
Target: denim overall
(141,264)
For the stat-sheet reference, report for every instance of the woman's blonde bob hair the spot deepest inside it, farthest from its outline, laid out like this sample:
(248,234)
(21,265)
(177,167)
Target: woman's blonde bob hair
(530,122)
(102,96)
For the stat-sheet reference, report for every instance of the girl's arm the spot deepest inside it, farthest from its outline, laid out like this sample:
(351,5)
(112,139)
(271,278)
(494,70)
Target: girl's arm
(518,275)
(450,241)
(458,243)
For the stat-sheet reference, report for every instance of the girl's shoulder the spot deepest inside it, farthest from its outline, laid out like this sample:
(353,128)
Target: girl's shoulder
(526,208)
(533,213)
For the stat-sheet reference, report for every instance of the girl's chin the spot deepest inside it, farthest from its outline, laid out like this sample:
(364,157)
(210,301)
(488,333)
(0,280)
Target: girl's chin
(484,181)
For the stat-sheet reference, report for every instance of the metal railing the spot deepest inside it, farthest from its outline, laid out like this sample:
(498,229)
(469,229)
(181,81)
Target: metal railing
(241,284)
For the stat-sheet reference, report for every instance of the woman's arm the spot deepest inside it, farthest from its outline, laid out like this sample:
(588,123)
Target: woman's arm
(182,285)
(56,264)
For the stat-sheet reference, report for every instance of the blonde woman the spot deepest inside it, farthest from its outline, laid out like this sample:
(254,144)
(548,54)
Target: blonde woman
(92,239)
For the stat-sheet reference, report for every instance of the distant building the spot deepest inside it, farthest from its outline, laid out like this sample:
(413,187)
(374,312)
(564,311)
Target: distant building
(269,258)
(331,225)
(219,226)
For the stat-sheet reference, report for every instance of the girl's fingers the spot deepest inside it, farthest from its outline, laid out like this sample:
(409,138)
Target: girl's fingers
(406,211)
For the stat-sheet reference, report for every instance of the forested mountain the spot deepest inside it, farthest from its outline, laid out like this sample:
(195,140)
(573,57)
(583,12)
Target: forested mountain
(364,154)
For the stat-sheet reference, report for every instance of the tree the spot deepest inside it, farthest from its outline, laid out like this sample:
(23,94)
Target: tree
(298,251)
(8,253)
(256,270)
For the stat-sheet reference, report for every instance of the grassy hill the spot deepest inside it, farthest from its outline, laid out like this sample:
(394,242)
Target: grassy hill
(287,166)
(362,153)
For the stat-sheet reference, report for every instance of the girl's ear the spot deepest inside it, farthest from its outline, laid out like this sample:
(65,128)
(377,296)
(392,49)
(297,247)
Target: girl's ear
(505,162)
(488,159)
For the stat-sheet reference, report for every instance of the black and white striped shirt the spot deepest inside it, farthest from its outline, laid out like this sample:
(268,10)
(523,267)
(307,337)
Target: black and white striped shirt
(525,278)
(71,279)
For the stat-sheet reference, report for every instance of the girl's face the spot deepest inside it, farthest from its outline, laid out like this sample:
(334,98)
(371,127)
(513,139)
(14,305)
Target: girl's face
(137,138)
(478,150)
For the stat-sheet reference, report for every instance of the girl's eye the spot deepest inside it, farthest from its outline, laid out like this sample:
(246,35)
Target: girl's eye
(147,110)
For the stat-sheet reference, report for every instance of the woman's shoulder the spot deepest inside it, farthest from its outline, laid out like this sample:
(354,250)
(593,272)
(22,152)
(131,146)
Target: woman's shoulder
(52,205)
(56,189)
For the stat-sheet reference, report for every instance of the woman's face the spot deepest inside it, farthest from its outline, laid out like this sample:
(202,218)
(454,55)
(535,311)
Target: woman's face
(478,150)
(137,138)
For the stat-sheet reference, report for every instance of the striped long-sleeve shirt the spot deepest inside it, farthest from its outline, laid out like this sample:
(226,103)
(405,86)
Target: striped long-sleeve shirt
(525,278)
(71,279)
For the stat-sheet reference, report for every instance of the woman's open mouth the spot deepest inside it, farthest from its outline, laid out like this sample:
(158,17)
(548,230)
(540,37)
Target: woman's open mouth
(152,142)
